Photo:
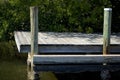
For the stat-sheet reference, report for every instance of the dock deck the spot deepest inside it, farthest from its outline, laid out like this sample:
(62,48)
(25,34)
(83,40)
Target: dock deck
(53,42)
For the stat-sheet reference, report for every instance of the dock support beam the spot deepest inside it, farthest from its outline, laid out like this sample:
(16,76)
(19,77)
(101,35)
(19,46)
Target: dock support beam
(32,75)
(105,74)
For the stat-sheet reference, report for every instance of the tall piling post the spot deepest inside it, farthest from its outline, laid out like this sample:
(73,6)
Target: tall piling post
(107,30)
(105,74)
(34,42)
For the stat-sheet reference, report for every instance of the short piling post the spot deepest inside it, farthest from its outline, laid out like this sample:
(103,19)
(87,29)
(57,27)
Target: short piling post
(107,30)
(34,40)
(105,74)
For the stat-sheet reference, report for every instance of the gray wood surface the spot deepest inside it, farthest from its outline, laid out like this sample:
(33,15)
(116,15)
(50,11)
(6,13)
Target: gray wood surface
(76,68)
(78,42)
(32,75)
(34,30)
(107,30)
(75,59)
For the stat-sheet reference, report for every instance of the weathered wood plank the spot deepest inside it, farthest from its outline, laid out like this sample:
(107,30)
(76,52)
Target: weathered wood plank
(18,43)
(75,59)
(28,39)
(81,39)
(76,68)
(49,48)
(69,42)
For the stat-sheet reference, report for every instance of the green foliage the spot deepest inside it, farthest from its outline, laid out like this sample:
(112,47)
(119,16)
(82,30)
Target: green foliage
(116,15)
(72,15)
(13,17)
(54,15)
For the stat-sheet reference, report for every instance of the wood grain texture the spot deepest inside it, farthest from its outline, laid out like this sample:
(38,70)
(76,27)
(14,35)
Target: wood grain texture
(76,42)
(75,59)
(107,30)
(76,68)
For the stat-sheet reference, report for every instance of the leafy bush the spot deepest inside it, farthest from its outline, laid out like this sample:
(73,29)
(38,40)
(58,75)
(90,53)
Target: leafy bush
(54,15)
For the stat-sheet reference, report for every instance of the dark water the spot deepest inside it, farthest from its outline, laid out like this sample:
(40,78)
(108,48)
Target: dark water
(12,70)
(16,70)
(87,75)
(79,76)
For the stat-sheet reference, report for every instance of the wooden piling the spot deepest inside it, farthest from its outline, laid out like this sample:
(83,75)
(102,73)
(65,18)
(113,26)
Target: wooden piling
(105,74)
(34,29)
(34,42)
(107,30)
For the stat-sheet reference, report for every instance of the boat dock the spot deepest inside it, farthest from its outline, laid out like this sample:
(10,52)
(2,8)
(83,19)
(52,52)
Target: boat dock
(68,52)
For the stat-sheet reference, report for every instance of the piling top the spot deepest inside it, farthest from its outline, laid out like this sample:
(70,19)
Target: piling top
(108,9)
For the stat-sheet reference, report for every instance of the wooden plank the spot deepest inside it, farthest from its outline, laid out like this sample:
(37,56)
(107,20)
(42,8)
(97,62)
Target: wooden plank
(81,39)
(17,40)
(50,42)
(76,68)
(26,36)
(75,59)
(49,48)
(23,39)
(40,39)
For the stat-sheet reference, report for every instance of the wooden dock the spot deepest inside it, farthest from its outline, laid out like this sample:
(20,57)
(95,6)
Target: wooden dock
(69,48)
(69,52)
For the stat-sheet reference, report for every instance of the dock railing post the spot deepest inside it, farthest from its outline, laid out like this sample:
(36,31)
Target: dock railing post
(107,30)
(32,75)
